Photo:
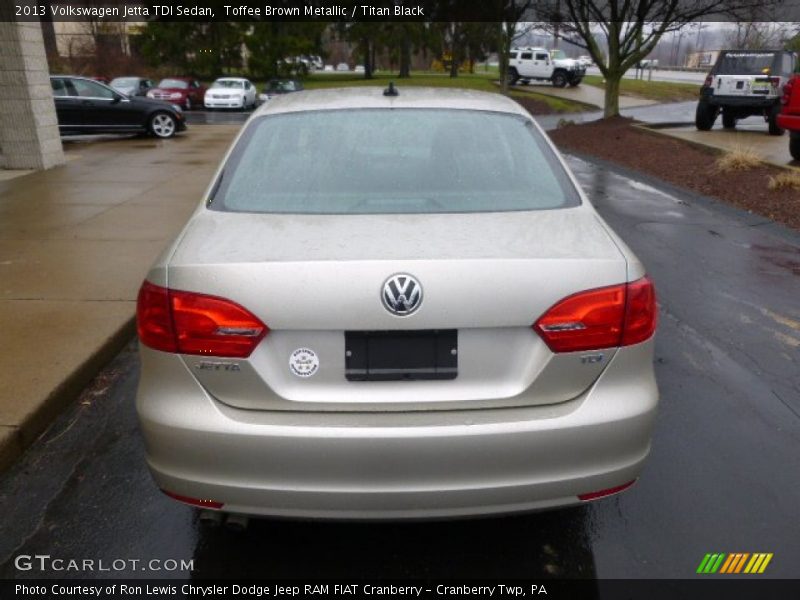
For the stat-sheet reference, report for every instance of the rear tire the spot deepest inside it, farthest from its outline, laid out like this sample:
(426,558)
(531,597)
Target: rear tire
(728,120)
(705,115)
(513,76)
(772,120)
(559,79)
(575,82)
(162,125)
(794,144)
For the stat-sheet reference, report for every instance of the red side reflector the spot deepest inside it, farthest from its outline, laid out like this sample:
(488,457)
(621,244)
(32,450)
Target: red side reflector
(190,323)
(194,501)
(603,493)
(641,312)
(618,315)
(154,318)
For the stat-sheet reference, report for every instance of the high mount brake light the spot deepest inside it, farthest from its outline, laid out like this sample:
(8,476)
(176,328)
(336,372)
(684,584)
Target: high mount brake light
(617,315)
(191,323)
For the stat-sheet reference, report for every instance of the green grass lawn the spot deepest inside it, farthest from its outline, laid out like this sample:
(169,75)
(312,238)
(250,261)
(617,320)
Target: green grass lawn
(661,91)
(482,81)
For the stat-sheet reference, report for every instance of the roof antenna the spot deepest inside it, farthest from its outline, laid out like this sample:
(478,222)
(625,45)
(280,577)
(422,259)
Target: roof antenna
(391,90)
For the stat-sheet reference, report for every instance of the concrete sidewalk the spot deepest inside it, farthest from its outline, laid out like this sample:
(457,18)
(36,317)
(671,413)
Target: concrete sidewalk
(584,93)
(772,149)
(75,244)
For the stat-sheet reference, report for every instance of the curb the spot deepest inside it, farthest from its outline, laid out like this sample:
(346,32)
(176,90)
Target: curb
(14,445)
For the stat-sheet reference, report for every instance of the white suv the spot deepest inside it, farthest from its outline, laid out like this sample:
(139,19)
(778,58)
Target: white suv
(526,64)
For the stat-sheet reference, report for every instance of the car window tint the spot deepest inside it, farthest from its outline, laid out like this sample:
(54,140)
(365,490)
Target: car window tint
(59,87)
(526,55)
(393,161)
(542,57)
(90,89)
(512,55)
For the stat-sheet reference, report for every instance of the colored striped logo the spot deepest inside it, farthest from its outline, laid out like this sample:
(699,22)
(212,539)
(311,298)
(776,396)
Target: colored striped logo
(741,562)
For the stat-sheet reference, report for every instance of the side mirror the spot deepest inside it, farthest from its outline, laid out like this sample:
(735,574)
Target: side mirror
(117,98)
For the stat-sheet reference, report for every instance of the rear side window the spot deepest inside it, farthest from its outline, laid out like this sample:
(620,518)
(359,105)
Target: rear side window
(401,161)
(542,56)
(526,55)
(59,88)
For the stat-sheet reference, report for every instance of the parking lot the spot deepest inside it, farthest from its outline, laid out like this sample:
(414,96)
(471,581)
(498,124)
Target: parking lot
(720,477)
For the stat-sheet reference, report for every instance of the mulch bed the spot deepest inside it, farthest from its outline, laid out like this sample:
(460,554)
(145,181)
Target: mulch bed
(535,107)
(682,164)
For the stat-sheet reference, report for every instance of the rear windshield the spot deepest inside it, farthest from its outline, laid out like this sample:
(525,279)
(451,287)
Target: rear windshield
(125,81)
(175,84)
(379,161)
(747,63)
(228,83)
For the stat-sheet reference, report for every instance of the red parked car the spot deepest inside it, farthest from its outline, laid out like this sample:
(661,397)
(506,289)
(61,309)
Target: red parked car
(185,92)
(789,119)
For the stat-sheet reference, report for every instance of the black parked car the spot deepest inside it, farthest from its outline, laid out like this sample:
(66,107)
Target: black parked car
(86,106)
(276,87)
(132,86)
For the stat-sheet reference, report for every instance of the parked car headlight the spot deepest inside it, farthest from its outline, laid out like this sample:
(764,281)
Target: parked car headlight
(175,95)
(150,95)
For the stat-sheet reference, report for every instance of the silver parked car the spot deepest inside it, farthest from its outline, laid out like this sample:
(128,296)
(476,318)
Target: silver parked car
(431,322)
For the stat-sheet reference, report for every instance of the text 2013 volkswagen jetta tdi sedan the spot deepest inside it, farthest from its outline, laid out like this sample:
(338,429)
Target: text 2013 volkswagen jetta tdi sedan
(395,306)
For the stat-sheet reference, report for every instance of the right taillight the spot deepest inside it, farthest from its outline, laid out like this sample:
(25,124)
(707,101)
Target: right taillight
(709,81)
(192,323)
(787,92)
(618,315)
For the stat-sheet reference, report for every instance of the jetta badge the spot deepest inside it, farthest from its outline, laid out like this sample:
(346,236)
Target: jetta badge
(402,294)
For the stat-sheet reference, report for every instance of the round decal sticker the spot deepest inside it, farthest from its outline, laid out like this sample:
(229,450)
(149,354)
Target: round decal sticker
(303,362)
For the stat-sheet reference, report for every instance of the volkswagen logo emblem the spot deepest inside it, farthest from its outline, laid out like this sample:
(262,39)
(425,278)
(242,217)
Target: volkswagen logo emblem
(401,294)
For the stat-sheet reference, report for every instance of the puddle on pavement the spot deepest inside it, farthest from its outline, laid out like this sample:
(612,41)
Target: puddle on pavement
(784,256)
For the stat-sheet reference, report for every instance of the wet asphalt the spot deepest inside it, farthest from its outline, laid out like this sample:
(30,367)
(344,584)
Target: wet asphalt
(722,475)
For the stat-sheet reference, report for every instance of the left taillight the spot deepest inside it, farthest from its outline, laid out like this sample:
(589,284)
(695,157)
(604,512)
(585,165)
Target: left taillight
(190,323)
(617,315)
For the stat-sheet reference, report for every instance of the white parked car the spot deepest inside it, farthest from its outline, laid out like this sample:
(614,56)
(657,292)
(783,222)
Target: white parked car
(359,69)
(342,67)
(231,92)
(328,68)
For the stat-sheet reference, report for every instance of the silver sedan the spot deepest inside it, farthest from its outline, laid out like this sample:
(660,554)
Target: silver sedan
(395,304)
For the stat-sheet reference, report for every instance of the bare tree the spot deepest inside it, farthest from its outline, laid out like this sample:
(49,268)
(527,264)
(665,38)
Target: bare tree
(754,35)
(510,30)
(631,28)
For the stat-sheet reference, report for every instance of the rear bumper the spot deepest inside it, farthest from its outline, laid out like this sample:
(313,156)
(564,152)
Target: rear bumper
(398,465)
(234,103)
(789,122)
(739,101)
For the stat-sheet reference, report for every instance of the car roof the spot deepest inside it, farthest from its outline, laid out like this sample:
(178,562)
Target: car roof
(407,97)
(231,79)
